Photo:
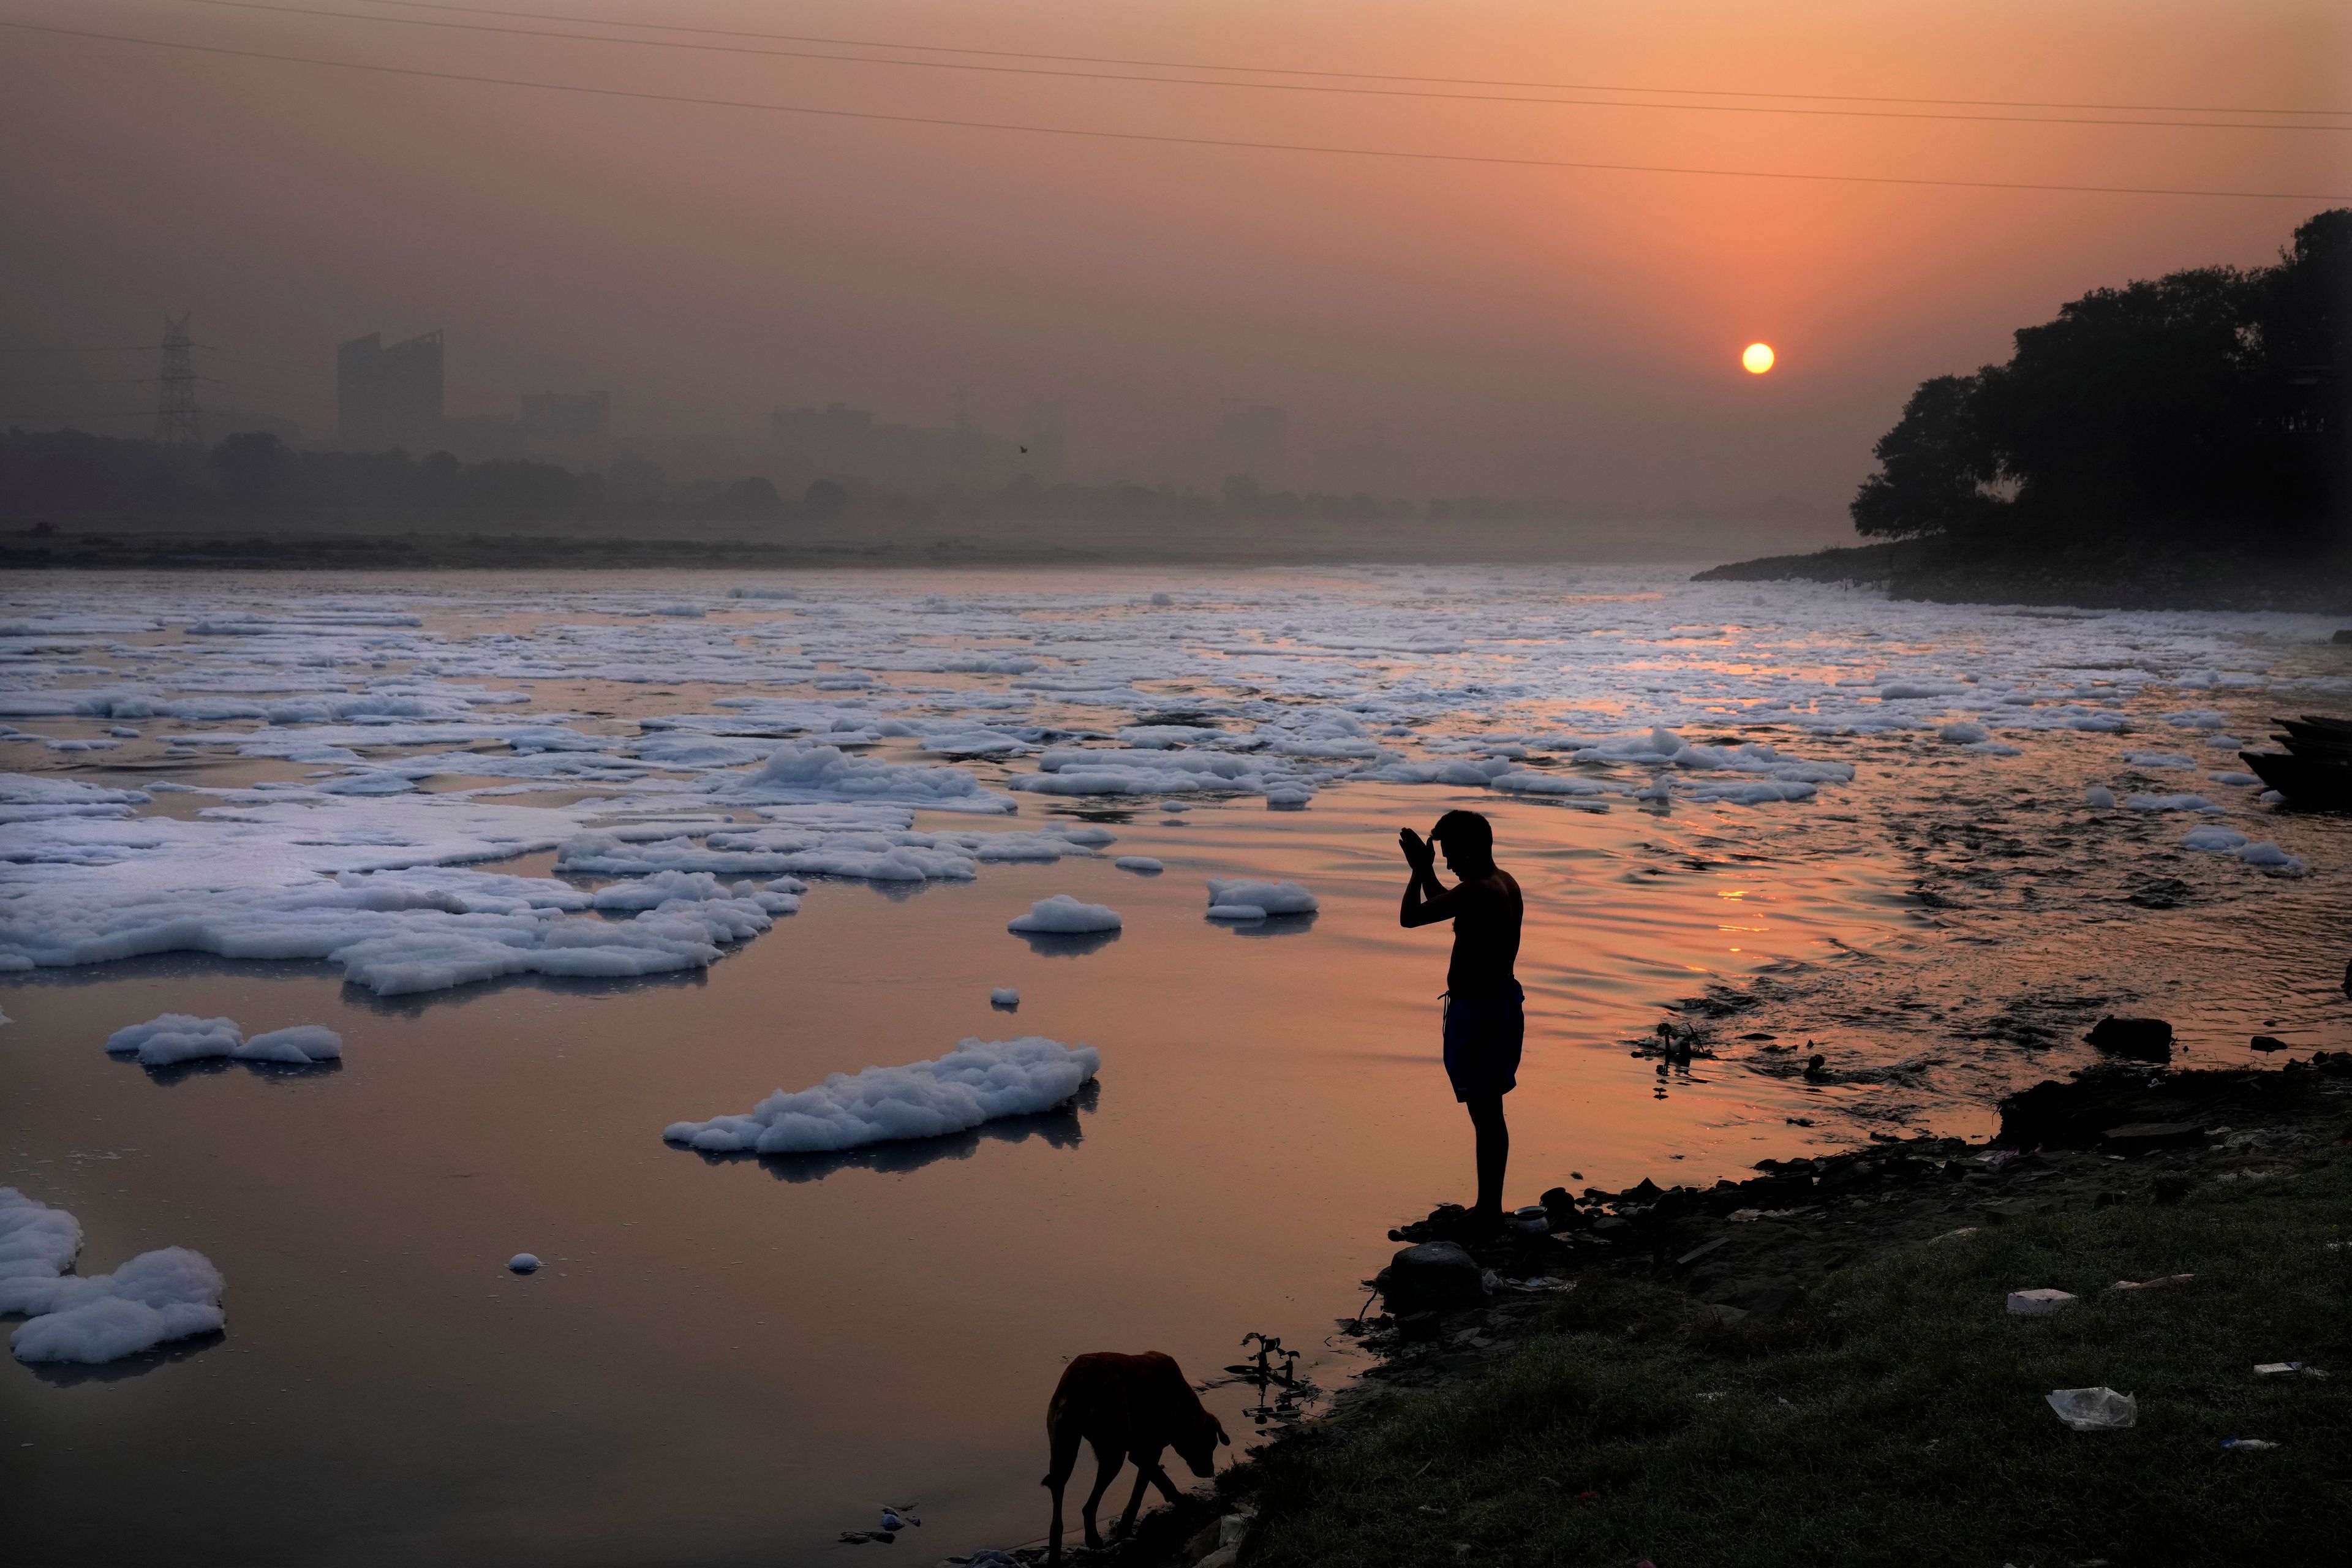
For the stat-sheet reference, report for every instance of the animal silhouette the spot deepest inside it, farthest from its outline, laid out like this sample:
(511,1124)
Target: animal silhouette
(1126,1407)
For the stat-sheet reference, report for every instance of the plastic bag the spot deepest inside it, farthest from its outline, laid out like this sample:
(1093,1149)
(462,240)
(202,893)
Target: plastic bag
(2094,1409)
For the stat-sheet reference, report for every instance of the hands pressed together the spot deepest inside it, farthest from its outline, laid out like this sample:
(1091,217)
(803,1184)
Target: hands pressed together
(1418,853)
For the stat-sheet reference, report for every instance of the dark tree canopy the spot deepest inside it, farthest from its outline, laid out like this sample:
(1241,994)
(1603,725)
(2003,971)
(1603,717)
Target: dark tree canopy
(2205,398)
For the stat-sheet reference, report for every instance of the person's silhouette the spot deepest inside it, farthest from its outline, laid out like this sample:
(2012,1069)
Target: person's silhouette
(1486,1021)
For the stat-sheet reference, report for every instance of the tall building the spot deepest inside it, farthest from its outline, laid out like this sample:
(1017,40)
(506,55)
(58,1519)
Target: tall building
(843,440)
(1249,440)
(1376,467)
(565,416)
(389,396)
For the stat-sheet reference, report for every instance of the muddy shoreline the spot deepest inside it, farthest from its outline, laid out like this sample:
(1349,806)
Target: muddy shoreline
(2026,572)
(1460,1304)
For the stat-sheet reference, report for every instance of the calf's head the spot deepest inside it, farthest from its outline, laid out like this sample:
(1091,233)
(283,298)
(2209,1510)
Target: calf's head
(1197,1444)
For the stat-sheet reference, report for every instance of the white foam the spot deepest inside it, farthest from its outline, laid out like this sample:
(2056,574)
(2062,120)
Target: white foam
(155,1298)
(796,773)
(2170,803)
(175,1037)
(978,1081)
(1141,865)
(1265,898)
(1005,996)
(1066,916)
(299,1046)
(36,1241)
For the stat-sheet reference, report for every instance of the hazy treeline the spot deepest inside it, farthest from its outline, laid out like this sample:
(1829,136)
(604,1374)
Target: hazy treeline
(246,480)
(2208,399)
(70,475)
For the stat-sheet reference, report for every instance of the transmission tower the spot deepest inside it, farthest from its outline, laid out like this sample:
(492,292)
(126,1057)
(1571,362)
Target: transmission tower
(177,421)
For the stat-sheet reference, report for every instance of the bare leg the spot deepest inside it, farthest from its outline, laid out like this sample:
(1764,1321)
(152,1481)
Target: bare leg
(1494,1153)
(1107,1466)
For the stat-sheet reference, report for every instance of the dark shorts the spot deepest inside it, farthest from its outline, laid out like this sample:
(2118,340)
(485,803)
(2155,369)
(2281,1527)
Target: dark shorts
(1483,1037)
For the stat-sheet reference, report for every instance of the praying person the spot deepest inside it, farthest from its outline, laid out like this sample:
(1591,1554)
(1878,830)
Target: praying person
(1484,1017)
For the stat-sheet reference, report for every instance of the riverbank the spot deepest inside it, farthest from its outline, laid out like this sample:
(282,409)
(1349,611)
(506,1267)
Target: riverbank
(1817,1365)
(361,545)
(2150,576)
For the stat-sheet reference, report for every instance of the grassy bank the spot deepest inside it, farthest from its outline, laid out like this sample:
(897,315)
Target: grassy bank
(2151,575)
(1896,1415)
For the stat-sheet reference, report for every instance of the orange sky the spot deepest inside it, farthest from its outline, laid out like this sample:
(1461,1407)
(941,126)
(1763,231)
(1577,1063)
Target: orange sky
(1521,330)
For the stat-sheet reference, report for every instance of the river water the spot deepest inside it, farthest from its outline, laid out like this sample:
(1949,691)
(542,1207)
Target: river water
(731,1359)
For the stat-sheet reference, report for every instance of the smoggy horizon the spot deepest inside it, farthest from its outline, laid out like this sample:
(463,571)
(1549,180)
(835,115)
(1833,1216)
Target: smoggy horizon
(1518,329)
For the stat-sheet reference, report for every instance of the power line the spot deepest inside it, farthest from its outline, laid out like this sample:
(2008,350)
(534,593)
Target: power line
(1161,139)
(1253,86)
(177,420)
(1351,75)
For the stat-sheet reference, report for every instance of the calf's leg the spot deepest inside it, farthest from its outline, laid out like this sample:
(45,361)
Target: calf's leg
(1147,1470)
(1107,1462)
(1063,1460)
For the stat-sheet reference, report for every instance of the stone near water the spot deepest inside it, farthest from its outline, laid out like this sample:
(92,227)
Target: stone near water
(2268,1043)
(2037,1303)
(2142,1039)
(2141,1135)
(1434,1276)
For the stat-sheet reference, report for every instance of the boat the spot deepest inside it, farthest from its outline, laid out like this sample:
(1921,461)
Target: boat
(2314,773)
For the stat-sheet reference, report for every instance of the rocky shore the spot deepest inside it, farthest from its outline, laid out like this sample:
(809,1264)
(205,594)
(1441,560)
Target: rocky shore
(1754,1278)
(2115,1134)
(2158,576)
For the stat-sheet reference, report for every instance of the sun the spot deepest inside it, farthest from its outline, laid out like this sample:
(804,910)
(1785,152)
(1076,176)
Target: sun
(1757,358)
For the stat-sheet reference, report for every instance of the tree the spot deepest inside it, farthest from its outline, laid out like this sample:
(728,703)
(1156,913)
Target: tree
(825,500)
(754,497)
(1933,470)
(2206,398)
(250,467)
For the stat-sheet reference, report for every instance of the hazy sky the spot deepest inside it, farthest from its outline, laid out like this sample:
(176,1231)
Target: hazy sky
(1520,329)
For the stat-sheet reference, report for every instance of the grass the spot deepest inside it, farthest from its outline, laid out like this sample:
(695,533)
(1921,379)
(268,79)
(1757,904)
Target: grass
(1897,1417)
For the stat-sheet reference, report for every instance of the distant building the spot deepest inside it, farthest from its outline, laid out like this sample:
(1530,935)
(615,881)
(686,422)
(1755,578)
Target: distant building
(1250,441)
(838,439)
(1377,468)
(566,415)
(388,397)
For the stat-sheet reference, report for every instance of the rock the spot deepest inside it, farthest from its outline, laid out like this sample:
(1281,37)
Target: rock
(1434,1276)
(1556,1199)
(2344,635)
(2142,1039)
(1416,1327)
(2268,1043)
(2143,1135)
(1610,1222)
(2037,1303)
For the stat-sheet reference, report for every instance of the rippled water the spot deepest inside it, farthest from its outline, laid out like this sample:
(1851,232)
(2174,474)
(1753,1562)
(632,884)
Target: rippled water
(733,1359)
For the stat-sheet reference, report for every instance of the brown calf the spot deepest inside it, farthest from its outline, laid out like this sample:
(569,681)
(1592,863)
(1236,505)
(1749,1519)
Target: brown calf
(1127,1407)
